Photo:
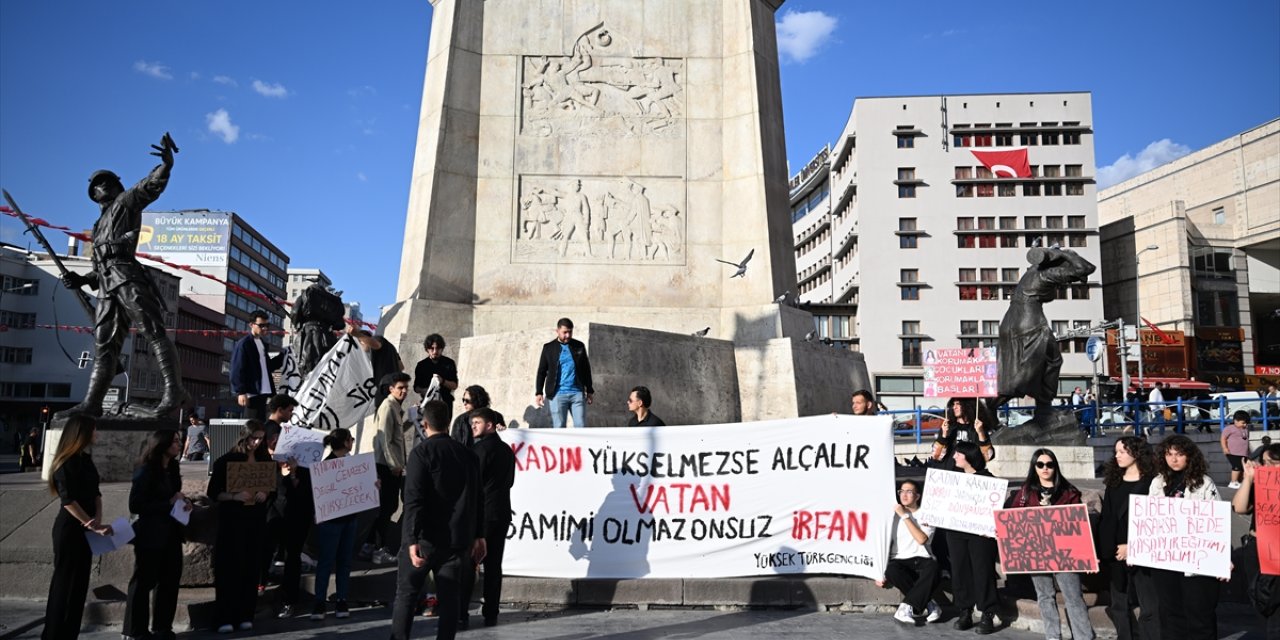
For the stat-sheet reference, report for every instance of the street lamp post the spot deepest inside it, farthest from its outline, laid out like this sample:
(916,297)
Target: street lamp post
(1137,299)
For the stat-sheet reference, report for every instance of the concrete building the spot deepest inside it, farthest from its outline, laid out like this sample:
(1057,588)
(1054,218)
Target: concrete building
(199,344)
(44,370)
(1214,218)
(906,241)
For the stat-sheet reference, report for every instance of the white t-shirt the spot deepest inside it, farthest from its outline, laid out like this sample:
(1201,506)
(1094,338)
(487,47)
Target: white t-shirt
(905,545)
(1155,399)
(264,387)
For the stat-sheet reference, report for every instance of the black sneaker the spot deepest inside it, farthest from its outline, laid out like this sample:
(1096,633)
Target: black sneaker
(317,612)
(340,609)
(986,625)
(964,622)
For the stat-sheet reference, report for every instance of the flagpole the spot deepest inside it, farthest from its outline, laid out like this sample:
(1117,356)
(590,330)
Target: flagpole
(1137,300)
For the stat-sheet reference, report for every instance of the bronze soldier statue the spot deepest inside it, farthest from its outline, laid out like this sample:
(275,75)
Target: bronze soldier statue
(126,293)
(317,313)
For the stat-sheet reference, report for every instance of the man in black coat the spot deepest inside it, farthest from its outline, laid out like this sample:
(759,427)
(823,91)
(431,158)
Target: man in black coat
(564,377)
(251,369)
(441,521)
(497,475)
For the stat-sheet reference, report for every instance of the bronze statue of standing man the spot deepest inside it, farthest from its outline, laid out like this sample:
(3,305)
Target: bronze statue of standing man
(126,293)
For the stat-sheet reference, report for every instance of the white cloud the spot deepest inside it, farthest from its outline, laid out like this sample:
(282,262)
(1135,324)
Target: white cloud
(195,75)
(227,80)
(361,176)
(364,90)
(270,90)
(220,125)
(1157,153)
(802,33)
(153,69)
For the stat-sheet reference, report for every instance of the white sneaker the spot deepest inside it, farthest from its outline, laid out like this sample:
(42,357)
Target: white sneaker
(1234,485)
(904,614)
(226,628)
(934,612)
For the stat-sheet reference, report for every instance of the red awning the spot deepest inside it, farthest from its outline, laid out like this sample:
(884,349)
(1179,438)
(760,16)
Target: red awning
(1172,383)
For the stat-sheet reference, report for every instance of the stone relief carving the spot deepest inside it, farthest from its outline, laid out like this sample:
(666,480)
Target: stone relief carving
(601,220)
(598,90)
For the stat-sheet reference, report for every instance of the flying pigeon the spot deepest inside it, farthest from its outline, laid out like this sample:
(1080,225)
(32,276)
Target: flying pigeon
(782,298)
(742,266)
(702,333)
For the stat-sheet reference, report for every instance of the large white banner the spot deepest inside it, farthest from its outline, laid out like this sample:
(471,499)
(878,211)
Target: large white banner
(339,391)
(810,495)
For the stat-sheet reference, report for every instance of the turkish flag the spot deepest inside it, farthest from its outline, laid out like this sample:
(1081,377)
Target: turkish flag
(1005,164)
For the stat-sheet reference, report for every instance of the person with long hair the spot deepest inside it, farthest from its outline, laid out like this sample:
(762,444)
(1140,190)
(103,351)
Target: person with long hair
(973,557)
(292,513)
(336,540)
(963,423)
(1128,473)
(1188,603)
(157,542)
(474,398)
(237,549)
(912,568)
(74,479)
(1045,486)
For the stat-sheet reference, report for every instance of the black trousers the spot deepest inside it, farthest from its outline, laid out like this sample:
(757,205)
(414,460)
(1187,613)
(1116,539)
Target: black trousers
(495,539)
(388,500)
(410,580)
(973,572)
(236,561)
(157,570)
(256,409)
(291,534)
(70,584)
(916,578)
(1188,605)
(1132,587)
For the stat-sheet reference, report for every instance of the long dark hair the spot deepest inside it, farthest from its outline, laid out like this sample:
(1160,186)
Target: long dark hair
(972,454)
(337,437)
(974,409)
(479,397)
(1196,469)
(158,444)
(1113,473)
(1060,484)
(246,432)
(77,435)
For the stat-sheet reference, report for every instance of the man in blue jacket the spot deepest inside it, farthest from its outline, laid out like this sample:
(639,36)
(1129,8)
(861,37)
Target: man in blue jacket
(564,375)
(251,369)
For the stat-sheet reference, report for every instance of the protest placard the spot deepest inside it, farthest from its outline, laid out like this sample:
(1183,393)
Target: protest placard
(305,446)
(966,373)
(251,476)
(1177,534)
(707,501)
(1266,507)
(121,534)
(1054,539)
(343,486)
(962,501)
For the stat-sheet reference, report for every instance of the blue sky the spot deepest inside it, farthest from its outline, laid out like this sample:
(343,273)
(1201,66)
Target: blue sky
(302,116)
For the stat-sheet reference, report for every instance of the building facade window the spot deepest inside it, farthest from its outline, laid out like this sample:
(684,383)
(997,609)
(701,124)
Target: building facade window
(17,320)
(1219,215)
(910,293)
(15,355)
(1217,308)
(906,141)
(906,191)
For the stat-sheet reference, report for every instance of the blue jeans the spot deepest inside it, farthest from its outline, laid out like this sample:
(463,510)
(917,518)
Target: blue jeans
(564,404)
(337,541)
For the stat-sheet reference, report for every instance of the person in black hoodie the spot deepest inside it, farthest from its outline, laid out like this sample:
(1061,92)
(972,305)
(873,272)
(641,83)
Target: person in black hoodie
(963,423)
(292,513)
(157,542)
(973,557)
(441,521)
(497,475)
(1127,473)
(237,549)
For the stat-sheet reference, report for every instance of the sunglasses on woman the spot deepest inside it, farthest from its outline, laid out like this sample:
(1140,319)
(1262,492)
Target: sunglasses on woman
(1046,465)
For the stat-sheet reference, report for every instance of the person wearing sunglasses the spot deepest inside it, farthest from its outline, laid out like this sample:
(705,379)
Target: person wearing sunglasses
(251,369)
(474,398)
(1046,487)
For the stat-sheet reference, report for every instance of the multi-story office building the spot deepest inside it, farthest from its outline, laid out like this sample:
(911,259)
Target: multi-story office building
(923,235)
(199,343)
(1213,218)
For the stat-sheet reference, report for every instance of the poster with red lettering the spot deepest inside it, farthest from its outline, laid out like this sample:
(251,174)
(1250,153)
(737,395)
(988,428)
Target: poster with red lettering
(1046,539)
(1266,507)
(1179,534)
(965,373)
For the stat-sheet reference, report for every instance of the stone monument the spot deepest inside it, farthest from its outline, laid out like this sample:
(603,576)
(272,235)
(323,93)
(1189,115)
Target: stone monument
(600,160)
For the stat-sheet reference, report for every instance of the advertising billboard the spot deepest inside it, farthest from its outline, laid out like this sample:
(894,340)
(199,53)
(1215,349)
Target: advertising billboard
(196,238)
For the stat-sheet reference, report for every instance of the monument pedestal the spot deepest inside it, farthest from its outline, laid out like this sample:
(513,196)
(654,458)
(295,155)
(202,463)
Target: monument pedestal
(120,442)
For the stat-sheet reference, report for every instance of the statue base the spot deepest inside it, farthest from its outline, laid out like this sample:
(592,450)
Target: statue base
(1059,429)
(120,441)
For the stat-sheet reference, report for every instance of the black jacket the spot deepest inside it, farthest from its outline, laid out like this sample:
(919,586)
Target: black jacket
(441,496)
(461,429)
(497,475)
(246,374)
(548,381)
(150,498)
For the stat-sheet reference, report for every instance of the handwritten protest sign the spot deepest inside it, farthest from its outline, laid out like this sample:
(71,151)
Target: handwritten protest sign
(306,446)
(1266,508)
(343,486)
(966,373)
(251,476)
(1045,539)
(1192,536)
(962,501)
(339,391)
(708,501)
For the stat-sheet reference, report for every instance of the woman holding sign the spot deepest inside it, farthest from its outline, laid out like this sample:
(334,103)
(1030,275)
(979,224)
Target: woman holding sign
(1046,487)
(973,557)
(962,424)
(241,491)
(1128,473)
(337,541)
(74,479)
(157,544)
(1188,602)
